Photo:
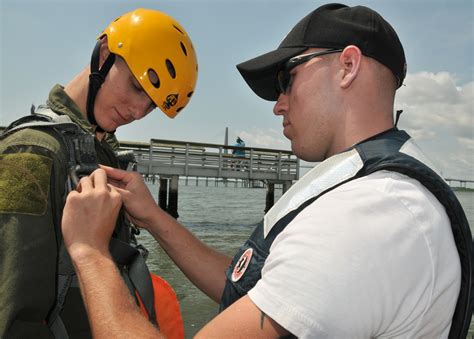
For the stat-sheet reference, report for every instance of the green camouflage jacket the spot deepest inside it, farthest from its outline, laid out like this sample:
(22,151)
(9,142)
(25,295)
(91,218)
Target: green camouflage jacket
(33,172)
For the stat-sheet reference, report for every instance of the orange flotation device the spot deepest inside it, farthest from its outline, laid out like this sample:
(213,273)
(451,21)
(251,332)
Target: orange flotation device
(168,314)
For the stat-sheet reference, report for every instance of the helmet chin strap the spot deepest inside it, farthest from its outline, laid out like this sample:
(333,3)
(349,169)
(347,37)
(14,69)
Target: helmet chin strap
(96,79)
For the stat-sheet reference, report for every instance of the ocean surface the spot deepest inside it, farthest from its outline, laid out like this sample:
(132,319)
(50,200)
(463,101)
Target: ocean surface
(222,217)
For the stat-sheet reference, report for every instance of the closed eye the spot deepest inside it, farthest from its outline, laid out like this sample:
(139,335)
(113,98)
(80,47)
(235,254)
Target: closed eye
(136,84)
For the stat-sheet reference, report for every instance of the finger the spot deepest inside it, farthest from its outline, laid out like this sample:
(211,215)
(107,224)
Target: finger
(72,195)
(115,183)
(85,184)
(99,178)
(121,191)
(115,195)
(115,173)
(112,188)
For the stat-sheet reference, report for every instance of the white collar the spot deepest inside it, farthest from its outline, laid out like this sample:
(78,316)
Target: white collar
(326,174)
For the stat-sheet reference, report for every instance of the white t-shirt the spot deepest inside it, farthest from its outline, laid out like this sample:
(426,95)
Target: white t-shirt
(374,257)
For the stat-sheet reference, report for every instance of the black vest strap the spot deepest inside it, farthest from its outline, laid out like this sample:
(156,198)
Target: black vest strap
(130,256)
(54,321)
(459,226)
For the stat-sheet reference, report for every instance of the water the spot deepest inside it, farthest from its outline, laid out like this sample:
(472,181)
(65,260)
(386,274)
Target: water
(223,218)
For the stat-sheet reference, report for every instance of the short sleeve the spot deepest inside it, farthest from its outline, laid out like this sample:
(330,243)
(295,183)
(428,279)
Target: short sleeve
(354,264)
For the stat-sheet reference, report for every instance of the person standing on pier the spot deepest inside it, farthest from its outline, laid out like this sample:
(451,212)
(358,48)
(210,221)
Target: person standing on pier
(370,243)
(239,153)
(144,59)
(241,144)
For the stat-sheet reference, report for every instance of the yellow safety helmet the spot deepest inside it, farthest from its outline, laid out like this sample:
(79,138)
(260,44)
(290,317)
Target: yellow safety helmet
(160,55)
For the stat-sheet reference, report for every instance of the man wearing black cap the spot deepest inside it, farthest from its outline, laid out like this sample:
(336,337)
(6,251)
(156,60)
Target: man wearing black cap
(370,243)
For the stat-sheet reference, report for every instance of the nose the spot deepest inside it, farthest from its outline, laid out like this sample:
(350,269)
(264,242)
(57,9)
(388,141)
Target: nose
(281,105)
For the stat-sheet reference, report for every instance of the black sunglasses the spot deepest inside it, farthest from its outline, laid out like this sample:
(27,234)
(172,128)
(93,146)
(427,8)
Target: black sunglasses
(285,78)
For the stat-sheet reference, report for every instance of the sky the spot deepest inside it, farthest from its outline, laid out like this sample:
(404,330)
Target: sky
(44,42)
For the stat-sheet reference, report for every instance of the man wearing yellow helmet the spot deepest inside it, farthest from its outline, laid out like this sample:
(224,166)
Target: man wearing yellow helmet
(142,60)
(158,53)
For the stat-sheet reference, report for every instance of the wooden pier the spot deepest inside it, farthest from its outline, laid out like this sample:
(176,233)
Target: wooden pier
(168,160)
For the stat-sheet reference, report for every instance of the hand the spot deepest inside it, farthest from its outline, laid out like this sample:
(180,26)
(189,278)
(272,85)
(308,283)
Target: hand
(136,197)
(90,214)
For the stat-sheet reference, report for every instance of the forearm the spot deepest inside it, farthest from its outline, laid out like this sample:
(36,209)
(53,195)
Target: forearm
(202,265)
(111,309)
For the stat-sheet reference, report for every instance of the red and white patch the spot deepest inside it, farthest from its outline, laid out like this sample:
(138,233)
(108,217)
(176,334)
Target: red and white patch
(242,264)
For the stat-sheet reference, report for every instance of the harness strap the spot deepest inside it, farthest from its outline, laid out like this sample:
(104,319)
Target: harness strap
(84,158)
(55,323)
(61,121)
(125,254)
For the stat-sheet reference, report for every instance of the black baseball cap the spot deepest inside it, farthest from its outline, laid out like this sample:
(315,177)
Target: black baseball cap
(329,26)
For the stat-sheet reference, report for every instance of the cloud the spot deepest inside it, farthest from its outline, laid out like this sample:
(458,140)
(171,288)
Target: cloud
(467,143)
(439,114)
(434,102)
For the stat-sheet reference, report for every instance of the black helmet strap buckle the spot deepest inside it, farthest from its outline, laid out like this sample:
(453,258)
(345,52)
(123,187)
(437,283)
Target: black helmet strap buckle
(96,79)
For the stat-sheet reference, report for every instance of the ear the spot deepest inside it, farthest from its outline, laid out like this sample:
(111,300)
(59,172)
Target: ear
(350,60)
(104,50)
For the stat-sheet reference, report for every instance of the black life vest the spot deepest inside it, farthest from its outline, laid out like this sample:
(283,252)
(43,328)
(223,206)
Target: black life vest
(381,152)
(127,254)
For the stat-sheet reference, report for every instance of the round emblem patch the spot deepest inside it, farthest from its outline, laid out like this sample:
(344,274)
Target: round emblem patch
(242,264)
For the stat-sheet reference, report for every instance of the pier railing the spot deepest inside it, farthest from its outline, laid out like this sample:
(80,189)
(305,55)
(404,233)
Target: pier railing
(168,158)
(463,183)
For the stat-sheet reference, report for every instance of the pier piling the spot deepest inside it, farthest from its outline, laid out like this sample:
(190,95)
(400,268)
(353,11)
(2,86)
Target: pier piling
(173,197)
(163,194)
(270,198)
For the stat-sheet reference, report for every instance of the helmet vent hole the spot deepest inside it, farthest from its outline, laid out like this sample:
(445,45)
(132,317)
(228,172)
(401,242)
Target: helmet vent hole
(117,18)
(179,109)
(180,31)
(153,77)
(184,49)
(190,94)
(171,69)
